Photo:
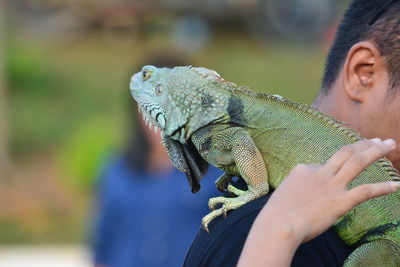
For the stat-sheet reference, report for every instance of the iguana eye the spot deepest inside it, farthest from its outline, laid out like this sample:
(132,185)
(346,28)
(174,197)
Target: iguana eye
(146,74)
(159,89)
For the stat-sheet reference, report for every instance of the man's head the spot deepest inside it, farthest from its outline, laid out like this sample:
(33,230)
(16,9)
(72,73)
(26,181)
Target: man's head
(361,84)
(367,20)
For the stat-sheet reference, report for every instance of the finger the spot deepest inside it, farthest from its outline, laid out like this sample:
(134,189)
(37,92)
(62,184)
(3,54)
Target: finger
(334,164)
(361,160)
(364,192)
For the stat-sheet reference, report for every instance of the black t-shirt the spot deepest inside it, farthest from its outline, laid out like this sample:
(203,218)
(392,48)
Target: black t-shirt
(222,247)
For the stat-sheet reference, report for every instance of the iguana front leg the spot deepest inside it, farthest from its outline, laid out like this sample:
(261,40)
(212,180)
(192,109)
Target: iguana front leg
(234,146)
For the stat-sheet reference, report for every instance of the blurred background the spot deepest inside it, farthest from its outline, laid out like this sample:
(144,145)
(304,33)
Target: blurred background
(64,73)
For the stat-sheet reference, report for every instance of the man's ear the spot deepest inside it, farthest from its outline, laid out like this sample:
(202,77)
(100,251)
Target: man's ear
(361,68)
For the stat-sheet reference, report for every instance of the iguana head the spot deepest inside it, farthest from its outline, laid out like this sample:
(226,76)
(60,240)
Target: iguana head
(179,101)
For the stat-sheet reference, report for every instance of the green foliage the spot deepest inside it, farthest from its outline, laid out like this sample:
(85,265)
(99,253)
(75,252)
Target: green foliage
(29,72)
(289,70)
(82,155)
(36,99)
(55,230)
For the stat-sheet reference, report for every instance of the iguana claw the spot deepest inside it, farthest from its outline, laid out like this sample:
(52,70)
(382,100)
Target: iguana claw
(225,212)
(205,228)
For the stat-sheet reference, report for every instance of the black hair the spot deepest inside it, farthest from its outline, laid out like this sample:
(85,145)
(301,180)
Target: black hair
(374,20)
(137,150)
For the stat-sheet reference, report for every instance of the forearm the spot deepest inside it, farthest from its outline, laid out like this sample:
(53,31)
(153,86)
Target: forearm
(270,242)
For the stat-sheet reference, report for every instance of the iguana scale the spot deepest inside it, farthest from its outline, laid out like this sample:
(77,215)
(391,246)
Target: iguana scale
(260,138)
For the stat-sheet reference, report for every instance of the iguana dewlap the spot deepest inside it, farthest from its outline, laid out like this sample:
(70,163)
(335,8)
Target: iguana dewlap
(260,138)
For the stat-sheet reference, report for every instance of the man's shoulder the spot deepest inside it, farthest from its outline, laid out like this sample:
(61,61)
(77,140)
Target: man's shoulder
(223,245)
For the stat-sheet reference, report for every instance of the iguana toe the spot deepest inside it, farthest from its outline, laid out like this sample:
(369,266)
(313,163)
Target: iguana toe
(229,204)
(209,217)
(235,191)
(212,202)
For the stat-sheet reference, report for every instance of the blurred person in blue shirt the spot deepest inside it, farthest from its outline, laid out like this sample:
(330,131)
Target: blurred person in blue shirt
(146,213)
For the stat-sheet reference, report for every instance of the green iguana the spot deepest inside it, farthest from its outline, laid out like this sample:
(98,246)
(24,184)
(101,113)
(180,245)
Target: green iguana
(261,138)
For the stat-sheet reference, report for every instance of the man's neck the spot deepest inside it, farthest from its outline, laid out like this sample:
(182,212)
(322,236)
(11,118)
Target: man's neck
(335,104)
(327,104)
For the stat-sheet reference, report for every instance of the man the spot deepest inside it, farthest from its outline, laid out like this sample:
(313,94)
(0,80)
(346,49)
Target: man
(360,87)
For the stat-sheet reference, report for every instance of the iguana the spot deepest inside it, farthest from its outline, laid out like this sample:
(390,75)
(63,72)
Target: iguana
(260,138)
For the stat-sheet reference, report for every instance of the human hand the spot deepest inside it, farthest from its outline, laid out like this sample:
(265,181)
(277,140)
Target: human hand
(310,200)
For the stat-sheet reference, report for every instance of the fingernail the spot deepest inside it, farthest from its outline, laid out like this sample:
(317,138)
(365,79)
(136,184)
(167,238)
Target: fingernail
(376,140)
(395,185)
(390,142)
